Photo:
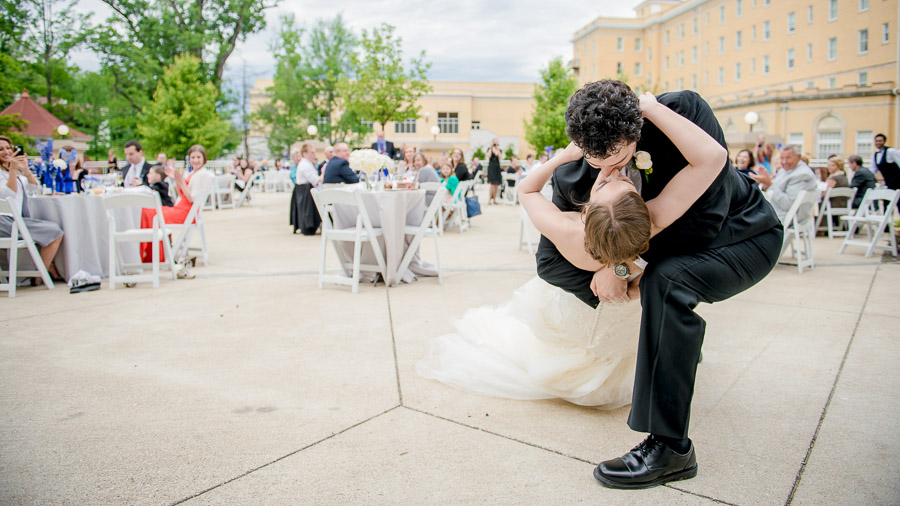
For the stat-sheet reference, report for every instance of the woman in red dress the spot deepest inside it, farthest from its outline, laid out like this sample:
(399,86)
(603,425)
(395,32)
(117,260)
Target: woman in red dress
(196,186)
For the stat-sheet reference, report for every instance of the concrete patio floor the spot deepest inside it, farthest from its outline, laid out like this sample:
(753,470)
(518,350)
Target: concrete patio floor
(250,385)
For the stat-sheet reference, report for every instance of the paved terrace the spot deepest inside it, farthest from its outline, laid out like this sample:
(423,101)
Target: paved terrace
(250,385)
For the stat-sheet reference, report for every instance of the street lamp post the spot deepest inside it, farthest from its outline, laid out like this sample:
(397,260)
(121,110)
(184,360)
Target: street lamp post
(751,118)
(312,130)
(435,130)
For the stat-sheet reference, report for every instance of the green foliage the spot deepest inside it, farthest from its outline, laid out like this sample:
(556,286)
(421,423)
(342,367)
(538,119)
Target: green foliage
(478,153)
(183,112)
(382,87)
(510,152)
(11,126)
(548,122)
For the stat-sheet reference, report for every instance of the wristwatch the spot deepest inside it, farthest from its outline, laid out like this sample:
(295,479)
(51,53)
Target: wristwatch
(621,271)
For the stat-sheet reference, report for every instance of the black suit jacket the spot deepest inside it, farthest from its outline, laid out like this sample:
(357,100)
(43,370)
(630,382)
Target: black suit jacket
(338,171)
(162,188)
(863,180)
(731,210)
(388,148)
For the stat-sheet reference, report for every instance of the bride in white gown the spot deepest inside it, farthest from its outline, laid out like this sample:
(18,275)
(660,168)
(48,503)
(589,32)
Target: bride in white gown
(544,342)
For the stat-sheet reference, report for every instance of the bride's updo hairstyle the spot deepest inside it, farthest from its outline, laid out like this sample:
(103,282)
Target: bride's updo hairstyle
(602,117)
(617,231)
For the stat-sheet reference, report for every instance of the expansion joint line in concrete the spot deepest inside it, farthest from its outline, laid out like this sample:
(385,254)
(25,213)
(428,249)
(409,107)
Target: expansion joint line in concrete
(279,459)
(834,385)
(387,294)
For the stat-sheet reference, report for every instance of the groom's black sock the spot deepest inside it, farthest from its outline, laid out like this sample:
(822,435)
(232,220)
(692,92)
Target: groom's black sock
(676,444)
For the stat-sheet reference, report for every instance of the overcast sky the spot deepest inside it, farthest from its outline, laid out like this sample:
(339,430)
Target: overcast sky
(467,40)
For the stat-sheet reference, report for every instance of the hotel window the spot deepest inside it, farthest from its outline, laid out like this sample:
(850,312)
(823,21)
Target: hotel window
(706,77)
(790,59)
(666,64)
(810,85)
(476,124)
(667,37)
(707,19)
(448,122)
(721,76)
(649,54)
(791,22)
(649,77)
(693,81)
(620,44)
(832,83)
(753,66)
(619,68)
(737,72)
(765,65)
(680,83)
(694,27)
(862,79)
(832,49)
(681,31)
(809,52)
(796,139)
(322,121)
(809,14)
(863,41)
(828,142)
(593,46)
(753,33)
(863,5)
(832,10)
(369,125)
(706,48)
(737,40)
(885,33)
(637,69)
(593,71)
(738,9)
(766,3)
(694,54)
(864,144)
(681,58)
(637,44)
(766,30)
(407,126)
(721,45)
(722,15)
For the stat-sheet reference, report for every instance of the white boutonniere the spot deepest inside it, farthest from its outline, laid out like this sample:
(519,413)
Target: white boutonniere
(643,162)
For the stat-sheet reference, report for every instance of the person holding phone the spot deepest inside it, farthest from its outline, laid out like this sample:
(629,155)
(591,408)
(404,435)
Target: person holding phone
(493,174)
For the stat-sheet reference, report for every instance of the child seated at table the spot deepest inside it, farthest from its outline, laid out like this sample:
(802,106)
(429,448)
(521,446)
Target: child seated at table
(155,178)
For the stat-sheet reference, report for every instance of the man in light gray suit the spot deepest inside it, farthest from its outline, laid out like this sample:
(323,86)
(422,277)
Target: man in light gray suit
(794,177)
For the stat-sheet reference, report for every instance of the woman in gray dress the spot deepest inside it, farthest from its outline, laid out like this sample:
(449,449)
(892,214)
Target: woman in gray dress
(14,174)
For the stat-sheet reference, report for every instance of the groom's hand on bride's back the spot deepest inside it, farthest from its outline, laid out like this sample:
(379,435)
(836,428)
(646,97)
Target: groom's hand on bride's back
(608,288)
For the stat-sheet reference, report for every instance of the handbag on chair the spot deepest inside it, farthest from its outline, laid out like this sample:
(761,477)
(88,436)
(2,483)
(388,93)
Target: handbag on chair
(473,208)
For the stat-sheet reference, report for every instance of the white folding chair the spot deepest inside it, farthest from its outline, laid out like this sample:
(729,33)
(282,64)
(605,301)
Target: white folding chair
(510,195)
(798,234)
(184,232)
(155,235)
(455,210)
(875,213)
(826,211)
(434,188)
(19,237)
(526,227)
(428,226)
(223,190)
(363,232)
(244,195)
(270,181)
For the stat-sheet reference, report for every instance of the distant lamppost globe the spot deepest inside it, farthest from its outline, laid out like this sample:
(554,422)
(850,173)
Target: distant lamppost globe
(312,129)
(751,118)
(435,130)
(62,130)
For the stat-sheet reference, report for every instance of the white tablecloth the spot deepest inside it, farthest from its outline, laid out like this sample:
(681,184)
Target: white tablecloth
(85,244)
(391,211)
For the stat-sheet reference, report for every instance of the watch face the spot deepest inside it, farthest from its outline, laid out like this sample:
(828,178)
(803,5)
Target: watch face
(621,270)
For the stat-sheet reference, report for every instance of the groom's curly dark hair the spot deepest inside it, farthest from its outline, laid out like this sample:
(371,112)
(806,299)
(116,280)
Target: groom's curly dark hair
(602,116)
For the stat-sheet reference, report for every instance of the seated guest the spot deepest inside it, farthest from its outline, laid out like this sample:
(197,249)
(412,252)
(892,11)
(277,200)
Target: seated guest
(863,179)
(304,215)
(195,186)
(328,152)
(243,171)
(338,168)
(744,162)
(458,161)
(449,178)
(14,174)
(407,163)
(112,165)
(515,168)
(156,178)
(161,159)
(477,170)
(138,167)
(793,177)
(423,171)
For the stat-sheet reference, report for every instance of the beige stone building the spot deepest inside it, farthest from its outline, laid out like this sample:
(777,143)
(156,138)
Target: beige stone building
(467,114)
(823,74)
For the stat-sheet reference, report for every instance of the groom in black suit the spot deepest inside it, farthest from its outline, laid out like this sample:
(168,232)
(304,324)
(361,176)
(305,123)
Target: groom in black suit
(728,240)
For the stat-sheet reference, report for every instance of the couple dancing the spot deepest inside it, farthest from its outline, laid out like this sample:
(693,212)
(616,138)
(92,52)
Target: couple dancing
(645,206)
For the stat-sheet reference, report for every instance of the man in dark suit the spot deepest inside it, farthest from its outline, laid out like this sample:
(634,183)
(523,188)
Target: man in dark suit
(384,147)
(138,166)
(725,242)
(338,168)
(863,179)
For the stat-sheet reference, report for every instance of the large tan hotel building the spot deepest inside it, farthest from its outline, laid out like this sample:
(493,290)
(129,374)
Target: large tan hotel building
(822,74)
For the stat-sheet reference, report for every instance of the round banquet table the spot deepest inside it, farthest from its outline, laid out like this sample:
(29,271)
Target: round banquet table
(391,211)
(85,244)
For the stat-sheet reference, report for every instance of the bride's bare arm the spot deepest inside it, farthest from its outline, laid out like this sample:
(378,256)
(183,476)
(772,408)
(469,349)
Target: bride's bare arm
(706,158)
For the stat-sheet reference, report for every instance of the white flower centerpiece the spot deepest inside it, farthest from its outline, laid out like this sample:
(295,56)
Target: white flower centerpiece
(371,162)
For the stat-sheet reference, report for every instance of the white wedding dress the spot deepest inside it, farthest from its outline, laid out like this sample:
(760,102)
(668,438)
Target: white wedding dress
(544,343)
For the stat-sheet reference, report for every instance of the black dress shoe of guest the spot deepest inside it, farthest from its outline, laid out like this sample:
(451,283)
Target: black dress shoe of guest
(648,464)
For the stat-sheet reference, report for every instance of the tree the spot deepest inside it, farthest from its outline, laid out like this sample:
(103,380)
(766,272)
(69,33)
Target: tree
(12,34)
(478,153)
(548,121)
(382,88)
(510,152)
(183,111)
(11,126)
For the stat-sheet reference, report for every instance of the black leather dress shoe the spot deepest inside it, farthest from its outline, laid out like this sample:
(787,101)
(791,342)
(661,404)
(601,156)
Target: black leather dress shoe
(648,464)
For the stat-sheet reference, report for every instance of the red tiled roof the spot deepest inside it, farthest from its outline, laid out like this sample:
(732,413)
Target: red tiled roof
(41,123)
